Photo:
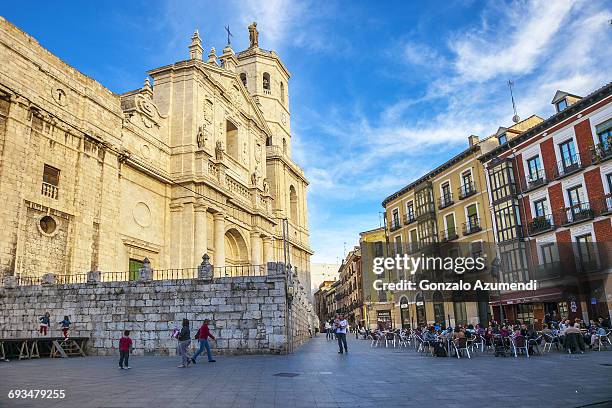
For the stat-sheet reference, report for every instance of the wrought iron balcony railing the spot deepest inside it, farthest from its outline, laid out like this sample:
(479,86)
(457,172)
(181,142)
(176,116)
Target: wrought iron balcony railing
(472,226)
(409,218)
(568,166)
(577,213)
(445,200)
(467,190)
(601,151)
(534,181)
(449,234)
(541,224)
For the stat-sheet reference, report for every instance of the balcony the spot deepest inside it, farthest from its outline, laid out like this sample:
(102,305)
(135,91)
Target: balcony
(588,265)
(445,200)
(604,205)
(577,213)
(567,167)
(449,235)
(395,225)
(541,224)
(472,226)
(538,180)
(467,190)
(49,190)
(426,210)
(547,271)
(601,152)
(409,219)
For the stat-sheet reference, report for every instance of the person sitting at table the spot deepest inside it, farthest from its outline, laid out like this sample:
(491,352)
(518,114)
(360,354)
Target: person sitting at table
(458,334)
(598,333)
(504,331)
(573,339)
(480,330)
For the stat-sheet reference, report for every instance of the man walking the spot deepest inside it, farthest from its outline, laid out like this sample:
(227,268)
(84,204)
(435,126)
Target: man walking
(328,331)
(202,336)
(184,340)
(341,325)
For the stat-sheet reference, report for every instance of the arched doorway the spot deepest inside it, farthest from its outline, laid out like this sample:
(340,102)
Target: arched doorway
(236,252)
(404,313)
(420,310)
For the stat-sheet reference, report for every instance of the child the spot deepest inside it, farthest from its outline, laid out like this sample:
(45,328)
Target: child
(65,326)
(44,323)
(125,344)
(175,330)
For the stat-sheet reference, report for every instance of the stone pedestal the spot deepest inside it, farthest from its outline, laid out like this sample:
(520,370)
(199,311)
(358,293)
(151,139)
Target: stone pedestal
(49,279)
(94,276)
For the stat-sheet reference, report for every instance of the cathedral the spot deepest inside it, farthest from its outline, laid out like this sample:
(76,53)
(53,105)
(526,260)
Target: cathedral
(197,161)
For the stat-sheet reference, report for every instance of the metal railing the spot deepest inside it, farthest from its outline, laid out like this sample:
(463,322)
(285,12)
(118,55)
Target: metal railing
(445,200)
(467,190)
(395,225)
(449,234)
(567,167)
(577,213)
(541,224)
(534,182)
(409,218)
(134,275)
(471,226)
(601,152)
(547,271)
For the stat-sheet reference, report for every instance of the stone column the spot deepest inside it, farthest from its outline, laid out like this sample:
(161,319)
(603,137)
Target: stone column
(175,235)
(200,233)
(219,259)
(268,252)
(187,237)
(255,248)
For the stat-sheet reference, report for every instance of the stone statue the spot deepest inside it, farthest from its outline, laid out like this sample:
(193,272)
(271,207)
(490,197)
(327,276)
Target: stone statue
(266,186)
(253,35)
(254,179)
(201,137)
(219,150)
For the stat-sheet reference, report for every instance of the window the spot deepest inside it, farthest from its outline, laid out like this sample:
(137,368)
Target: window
(410,211)
(51,175)
(282,92)
(501,180)
(378,249)
(269,141)
(450,225)
(266,81)
(395,218)
(609,179)
(446,198)
(604,134)
(50,181)
(398,245)
(575,196)
(414,240)
(466,177)
(524,313)
(506,220)
(231,139)
(243,78)
(284,146)
(476,249)
(561,105)
(540,208)
(293,202)
(568,154)
(503,139)
(586,252)
(534,167)
(438,307)
(472,215)
(549,253)
(48,224)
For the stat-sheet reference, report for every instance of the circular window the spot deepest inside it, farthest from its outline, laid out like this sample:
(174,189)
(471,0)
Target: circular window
(48,225)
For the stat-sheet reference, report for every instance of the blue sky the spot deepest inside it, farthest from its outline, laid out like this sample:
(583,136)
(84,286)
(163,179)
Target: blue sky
(381,92)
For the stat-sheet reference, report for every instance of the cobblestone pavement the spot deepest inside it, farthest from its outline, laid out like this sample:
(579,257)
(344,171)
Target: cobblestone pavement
(364,377)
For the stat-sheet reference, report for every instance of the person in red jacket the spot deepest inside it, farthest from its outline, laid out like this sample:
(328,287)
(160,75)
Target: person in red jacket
(203,335)
(125,344)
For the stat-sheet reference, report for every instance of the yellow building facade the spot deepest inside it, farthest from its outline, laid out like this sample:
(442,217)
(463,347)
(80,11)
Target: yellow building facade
(446,212)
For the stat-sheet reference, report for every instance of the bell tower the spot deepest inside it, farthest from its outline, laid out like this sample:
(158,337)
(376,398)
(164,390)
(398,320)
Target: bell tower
(266,78)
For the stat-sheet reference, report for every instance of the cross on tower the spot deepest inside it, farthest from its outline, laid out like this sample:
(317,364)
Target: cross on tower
(229,34)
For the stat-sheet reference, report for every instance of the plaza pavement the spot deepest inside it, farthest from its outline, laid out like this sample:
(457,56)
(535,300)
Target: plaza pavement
(362,378)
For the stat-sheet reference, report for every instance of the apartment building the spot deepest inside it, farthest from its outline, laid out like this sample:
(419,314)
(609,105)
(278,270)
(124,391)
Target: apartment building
(550,189)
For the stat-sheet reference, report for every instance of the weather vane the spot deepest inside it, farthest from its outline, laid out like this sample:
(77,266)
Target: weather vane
(229,34)
(516,117)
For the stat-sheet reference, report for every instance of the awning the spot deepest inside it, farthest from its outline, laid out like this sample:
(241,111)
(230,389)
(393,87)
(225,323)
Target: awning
(530,296)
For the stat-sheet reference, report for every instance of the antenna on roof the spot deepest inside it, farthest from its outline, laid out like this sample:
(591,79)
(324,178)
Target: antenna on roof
(515,118)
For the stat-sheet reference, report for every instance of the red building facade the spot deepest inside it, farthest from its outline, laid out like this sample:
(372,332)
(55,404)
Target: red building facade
(551,193)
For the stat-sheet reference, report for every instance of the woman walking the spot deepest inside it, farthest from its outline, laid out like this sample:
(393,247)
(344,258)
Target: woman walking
(184,341)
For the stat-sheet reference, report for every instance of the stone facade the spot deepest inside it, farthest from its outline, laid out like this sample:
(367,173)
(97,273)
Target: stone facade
(196,161)
(249,314)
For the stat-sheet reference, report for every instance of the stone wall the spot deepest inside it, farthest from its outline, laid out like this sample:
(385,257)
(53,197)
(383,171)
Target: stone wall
(248,314)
